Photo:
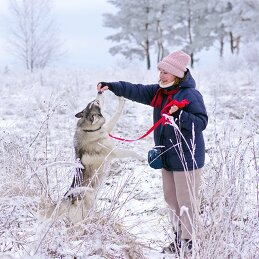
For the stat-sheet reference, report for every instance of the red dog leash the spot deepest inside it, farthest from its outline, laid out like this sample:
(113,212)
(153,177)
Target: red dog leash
(163,120)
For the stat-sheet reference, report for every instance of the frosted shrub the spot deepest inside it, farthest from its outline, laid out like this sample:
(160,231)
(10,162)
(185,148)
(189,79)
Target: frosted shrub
(228,226)
(29,181)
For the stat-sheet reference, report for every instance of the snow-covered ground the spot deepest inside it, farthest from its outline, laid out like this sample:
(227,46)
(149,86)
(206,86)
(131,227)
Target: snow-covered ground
(131,220)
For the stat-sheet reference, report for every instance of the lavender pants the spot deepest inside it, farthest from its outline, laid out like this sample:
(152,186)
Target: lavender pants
(181,194)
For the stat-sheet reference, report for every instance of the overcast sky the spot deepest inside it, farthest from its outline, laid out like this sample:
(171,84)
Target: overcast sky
(81,27)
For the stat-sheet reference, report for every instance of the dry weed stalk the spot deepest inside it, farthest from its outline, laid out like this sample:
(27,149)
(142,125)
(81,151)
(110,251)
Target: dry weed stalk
(100,234)
(228,226)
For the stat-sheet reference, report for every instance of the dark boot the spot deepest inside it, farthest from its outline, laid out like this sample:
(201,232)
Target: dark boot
(174,247)
(187,246)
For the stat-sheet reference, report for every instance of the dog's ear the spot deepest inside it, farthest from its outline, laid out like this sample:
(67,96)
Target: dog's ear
(79,115)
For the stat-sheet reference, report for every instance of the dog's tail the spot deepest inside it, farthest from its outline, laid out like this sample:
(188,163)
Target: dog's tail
(77,179)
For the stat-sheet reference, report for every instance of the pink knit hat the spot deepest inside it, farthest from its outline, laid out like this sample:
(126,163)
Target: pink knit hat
(175,63)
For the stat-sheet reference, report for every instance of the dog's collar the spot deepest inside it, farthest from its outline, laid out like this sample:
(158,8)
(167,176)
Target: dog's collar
(92,130)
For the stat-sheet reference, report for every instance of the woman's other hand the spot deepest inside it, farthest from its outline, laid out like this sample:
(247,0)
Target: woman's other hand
(173,109)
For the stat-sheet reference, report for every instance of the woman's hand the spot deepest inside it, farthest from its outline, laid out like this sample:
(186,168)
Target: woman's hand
(173,109)
(102,86)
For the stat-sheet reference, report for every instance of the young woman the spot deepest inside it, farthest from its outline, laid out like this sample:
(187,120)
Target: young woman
(184,151)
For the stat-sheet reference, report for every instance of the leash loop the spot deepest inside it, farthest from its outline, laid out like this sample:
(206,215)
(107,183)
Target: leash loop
(162,120)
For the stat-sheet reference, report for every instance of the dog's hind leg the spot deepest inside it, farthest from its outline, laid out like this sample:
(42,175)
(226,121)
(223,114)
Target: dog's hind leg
(54,211)
(110,125)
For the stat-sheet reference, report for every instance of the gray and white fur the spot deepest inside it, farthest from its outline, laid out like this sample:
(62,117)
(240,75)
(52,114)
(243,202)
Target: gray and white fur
(94,148)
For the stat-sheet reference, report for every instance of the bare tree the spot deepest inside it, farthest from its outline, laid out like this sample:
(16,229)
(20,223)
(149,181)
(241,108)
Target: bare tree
(34,38)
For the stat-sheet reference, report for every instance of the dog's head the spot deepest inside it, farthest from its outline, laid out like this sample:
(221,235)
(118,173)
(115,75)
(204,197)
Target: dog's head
(91,118)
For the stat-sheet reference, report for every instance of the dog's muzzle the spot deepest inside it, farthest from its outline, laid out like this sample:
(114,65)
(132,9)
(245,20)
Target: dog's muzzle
(99,99)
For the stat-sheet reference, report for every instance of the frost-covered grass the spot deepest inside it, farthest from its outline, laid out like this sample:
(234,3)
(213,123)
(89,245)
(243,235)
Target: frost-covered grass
(130,219)
(228,226)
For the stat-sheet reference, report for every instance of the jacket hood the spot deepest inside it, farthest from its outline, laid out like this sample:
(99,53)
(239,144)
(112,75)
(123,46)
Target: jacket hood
(188,81)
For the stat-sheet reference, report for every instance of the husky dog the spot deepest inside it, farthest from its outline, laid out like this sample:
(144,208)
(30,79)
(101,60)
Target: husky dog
(93,148)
